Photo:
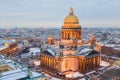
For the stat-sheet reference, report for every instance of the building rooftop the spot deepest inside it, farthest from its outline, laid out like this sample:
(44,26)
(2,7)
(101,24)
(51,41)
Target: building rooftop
(11,70)
(54,50)
(10,41)
(3,41)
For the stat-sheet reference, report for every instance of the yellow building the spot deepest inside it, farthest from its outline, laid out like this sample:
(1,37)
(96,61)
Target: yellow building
(68,55)
(8,47)
(83,61)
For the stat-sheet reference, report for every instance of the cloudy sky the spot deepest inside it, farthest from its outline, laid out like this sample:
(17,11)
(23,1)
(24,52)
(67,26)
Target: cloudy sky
(51,13)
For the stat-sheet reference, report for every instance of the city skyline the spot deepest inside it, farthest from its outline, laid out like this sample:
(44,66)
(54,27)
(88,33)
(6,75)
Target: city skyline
(68,53)
(45,13)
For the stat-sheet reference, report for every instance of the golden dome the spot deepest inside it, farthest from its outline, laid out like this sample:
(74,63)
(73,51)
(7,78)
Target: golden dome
(71,18)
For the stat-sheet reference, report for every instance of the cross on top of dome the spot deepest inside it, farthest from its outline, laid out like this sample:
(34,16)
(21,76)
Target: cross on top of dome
(71,10)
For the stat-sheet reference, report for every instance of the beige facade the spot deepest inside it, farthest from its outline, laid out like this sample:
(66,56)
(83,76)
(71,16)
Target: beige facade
(10,48)
(86,64)
(66,64)
(70,58)
(70,63)
(107,50)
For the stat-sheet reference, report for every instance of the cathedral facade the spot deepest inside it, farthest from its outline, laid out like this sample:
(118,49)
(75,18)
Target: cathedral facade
(68,56)
(82,62)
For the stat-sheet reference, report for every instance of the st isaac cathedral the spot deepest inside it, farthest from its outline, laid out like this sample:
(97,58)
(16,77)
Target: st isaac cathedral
(69,54)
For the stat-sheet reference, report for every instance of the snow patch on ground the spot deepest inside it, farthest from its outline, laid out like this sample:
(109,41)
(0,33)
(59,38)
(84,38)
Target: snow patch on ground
(104,64)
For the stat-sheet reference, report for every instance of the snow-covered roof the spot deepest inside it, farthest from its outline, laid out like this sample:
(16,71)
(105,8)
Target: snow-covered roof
(10,41)
(14,75)
(77,74)
(85,51)
(34,50)
(51,51)
(3,41)
(18,71)
(18,74)
(2,47)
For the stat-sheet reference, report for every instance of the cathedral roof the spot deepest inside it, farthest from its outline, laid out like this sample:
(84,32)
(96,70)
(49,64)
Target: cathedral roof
(87,52)
(71,18)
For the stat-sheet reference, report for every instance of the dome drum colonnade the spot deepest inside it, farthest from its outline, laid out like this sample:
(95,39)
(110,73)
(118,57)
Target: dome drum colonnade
(71,28)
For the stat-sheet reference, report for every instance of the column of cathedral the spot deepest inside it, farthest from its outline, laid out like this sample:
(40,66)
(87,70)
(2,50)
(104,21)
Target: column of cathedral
(42,59)
(48,62)
(70,34)
(94,61)
(54,64)
(99,58)
(65,35)
(75,35)
(83,65)
(45,61)
(88,64)
(97,61)
(91,62)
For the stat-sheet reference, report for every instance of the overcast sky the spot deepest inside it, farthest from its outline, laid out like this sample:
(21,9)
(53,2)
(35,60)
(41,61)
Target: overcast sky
(51,13)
